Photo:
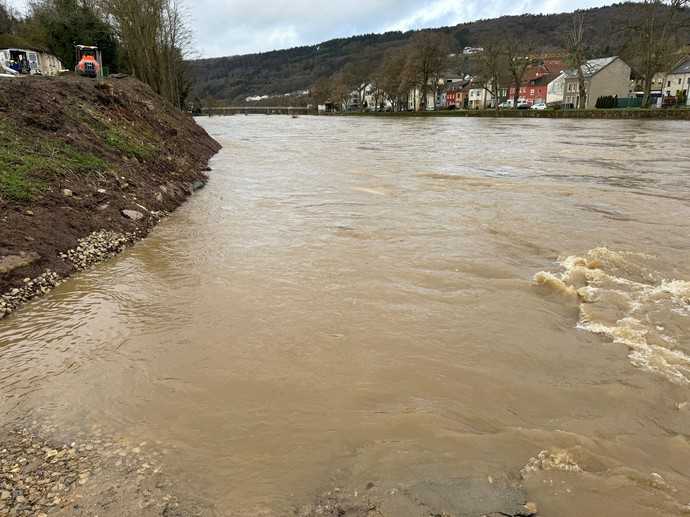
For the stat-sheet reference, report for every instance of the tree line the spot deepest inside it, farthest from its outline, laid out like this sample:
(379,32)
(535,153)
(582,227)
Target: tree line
(149,39)
(651,35)
(418,64)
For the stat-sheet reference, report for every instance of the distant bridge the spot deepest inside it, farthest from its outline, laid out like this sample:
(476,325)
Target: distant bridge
(263,110)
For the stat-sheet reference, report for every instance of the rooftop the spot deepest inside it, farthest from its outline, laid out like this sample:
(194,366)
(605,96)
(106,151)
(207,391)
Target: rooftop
(683,67)
(592,67)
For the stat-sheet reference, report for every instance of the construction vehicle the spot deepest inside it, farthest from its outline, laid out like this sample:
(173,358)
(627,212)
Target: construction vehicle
(89,62)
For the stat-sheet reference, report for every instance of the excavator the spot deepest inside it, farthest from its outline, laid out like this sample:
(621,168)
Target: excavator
(89,62)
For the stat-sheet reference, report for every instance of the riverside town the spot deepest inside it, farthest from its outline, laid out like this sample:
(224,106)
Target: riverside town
(412,258)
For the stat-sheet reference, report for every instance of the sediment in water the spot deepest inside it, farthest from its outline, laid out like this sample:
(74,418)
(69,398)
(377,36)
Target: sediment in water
(621,296)
(86,169)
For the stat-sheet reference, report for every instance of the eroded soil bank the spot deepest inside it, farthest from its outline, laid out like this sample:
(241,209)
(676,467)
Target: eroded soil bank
(85,169)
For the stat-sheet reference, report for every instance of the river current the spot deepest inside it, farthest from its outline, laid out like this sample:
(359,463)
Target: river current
(374,300)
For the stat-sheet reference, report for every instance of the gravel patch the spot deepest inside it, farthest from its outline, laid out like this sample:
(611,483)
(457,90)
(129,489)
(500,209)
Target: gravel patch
(98,475)
(31,289)
(97,247)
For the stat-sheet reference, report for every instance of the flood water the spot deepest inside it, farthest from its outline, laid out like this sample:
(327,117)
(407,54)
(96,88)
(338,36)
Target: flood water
(355,300)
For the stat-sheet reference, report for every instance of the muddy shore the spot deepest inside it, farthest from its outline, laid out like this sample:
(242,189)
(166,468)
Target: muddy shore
(86,169)
(47,471)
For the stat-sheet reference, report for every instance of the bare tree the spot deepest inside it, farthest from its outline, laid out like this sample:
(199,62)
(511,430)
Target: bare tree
(356,75)
(577,54)
(653,37)
(393,77)
(428,57)
(518,61)
(175,40)
(156,38)
(321,91)
(492,68)
(340,90)
(8,18)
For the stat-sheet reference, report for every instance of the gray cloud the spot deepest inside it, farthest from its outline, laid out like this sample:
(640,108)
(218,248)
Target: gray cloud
(227,27)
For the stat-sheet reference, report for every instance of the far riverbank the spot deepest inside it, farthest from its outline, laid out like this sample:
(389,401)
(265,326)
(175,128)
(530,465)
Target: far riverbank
(608,114)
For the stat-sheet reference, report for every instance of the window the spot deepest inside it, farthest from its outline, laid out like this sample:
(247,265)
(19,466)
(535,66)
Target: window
(531,92)
(680,81)
(669,84)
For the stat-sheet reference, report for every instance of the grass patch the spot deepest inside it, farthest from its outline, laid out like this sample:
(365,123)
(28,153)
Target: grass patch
(129,145)
(129,140)
(24,159)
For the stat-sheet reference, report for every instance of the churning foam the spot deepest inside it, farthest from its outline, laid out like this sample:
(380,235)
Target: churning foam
(553,459)
(622,298)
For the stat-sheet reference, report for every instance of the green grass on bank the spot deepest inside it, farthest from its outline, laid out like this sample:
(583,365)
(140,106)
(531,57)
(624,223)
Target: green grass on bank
(129,145)
(25,160)
(131,142)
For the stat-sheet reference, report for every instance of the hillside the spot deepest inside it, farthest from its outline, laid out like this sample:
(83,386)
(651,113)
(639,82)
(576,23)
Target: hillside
(232,79)
(85,169)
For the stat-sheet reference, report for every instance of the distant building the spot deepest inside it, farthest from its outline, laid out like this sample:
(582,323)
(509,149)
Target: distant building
(637,85)
(677,82)
(29,62)
(602,77)
(533,89)
(456,96)
(327,107)
(448,82)
(468,51)
(479,97)
(414,99)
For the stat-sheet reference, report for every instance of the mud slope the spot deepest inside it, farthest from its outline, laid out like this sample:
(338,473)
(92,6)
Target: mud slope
(76,158)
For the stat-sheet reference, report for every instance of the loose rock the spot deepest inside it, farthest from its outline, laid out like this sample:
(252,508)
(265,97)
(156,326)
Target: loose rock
(97,247)
(134,215)
(40,285)
(12,262)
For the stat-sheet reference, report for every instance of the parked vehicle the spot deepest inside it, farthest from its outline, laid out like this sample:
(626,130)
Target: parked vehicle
(89,62)
(524,105)
(506,104)
(539,106)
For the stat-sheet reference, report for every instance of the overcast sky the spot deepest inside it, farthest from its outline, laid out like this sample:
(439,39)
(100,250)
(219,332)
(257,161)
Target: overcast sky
(227,27)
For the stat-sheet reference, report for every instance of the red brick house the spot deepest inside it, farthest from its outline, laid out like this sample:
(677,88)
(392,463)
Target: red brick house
(537,77)
(456,95)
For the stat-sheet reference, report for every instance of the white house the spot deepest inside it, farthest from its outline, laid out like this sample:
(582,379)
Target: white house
(469,51)
(29,61)
(678,81)
(479,97)
(555,90)
(602,77)
(414,98)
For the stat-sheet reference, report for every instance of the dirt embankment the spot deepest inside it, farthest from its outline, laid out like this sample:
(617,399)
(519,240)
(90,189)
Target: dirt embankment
(86,169)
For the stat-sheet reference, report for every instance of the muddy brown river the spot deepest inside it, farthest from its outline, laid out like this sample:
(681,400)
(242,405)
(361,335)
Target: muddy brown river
(369,302)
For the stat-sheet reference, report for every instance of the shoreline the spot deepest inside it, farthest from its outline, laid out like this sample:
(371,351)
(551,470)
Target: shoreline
(87,170)
(598,114)
(95,248)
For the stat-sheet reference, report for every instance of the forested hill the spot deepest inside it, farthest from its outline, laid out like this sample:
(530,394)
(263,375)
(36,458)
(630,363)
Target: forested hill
(232,79)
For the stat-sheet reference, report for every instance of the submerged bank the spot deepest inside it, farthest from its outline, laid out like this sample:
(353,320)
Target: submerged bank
(86,168)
